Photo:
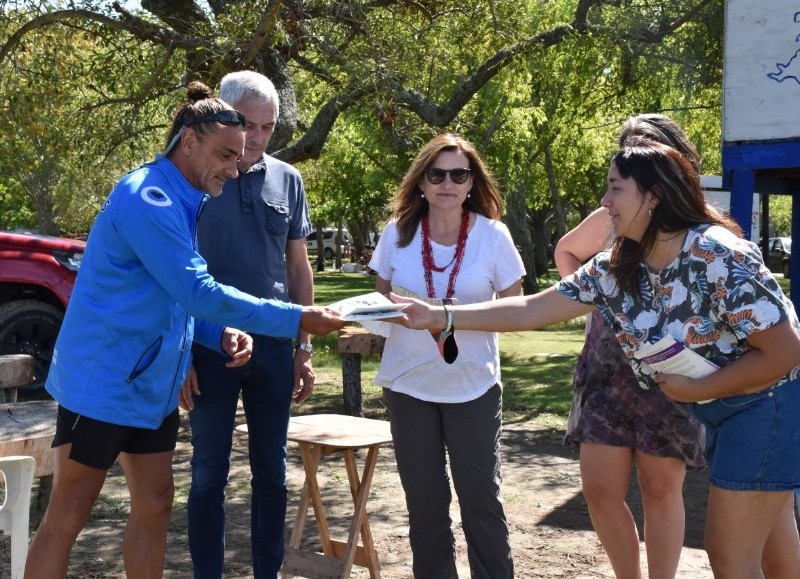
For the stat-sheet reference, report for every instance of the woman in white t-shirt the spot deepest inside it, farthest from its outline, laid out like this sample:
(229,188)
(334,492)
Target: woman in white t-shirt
(445,242)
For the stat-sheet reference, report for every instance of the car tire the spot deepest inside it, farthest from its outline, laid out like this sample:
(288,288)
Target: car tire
(31,327)
(786,269)
(328,253)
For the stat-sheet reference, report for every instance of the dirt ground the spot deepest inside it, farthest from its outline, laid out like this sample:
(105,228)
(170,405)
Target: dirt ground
(550,529)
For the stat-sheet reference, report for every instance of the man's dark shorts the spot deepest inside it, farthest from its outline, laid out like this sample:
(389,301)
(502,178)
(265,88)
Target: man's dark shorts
(97,444)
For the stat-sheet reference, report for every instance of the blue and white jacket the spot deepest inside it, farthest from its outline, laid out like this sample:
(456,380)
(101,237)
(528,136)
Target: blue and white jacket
(125,345)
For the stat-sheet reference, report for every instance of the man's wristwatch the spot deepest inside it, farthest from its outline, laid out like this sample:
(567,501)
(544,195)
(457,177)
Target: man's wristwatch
(308,348)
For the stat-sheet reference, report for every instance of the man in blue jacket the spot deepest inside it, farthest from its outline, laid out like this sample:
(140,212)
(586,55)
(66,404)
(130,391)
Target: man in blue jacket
(124,347)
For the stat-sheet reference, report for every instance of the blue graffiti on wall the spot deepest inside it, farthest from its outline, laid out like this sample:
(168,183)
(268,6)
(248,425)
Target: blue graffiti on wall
(791,68)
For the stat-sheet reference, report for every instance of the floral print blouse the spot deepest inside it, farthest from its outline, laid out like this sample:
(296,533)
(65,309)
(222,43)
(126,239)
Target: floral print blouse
(715,294)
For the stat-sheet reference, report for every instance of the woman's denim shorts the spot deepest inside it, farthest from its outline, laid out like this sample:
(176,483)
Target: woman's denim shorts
(753,441)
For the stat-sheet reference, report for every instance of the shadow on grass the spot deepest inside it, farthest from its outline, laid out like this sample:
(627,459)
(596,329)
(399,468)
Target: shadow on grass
(536,385)
(542,450)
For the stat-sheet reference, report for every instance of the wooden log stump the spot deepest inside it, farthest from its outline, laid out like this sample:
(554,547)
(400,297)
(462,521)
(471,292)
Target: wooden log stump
(15,370)
(27,429)
(353,342)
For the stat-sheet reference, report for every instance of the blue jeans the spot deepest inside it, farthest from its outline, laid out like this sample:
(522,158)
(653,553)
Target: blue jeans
(266,387)
(751,440)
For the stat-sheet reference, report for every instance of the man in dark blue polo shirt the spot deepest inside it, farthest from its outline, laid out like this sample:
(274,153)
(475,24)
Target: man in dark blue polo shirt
(254,238)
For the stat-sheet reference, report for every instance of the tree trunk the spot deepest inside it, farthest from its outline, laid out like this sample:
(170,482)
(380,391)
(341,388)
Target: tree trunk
(319,225)
(351,387)
(540,236)
(339,247)
(555,196)
(516,220)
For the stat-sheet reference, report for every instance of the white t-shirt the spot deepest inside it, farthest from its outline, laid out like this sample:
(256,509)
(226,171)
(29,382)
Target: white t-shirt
(411,363)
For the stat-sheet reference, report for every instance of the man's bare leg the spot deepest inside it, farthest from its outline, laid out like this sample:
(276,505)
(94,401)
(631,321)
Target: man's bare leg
(75,490)
(149,478)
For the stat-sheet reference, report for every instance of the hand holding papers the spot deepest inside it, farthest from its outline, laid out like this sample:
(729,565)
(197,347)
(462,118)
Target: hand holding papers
(671,357)
(371,306)
(446,341)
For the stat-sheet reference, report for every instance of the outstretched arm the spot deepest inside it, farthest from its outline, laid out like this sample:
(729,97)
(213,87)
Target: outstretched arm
(510,314)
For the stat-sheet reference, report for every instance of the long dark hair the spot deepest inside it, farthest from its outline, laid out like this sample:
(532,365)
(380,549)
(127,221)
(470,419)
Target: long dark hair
(661,129)
(675,182)
(409,206)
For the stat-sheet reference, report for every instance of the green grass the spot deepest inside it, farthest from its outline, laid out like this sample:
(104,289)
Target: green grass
(537,369)
(332,286)
(536,366)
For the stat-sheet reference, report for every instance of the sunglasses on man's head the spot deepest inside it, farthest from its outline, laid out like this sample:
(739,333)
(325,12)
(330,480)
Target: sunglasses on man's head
(457,176)
(227,117)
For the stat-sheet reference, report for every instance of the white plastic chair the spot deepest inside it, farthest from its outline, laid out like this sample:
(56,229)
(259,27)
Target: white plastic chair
(15,510)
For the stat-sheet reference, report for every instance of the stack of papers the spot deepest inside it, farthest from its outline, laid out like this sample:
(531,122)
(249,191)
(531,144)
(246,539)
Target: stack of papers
(671,357)
(371,306)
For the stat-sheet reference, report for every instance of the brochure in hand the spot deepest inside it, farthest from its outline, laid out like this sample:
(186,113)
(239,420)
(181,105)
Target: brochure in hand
(371,306)
(446,342)
(671,357)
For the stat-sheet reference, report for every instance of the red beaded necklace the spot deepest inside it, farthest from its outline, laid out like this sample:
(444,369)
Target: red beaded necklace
(427,255)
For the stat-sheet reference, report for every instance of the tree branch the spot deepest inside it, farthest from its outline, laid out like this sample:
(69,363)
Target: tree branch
(261,34)
(182,15)
(136,26)
(310,144)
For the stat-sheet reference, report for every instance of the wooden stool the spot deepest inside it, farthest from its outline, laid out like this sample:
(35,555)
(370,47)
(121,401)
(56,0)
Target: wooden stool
(325,434)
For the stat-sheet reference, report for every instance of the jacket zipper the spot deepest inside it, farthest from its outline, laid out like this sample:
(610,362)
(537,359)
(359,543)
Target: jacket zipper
(184,347)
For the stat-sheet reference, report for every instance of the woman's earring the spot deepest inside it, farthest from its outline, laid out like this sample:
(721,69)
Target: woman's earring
(422,195)
(650,212)
(469,195)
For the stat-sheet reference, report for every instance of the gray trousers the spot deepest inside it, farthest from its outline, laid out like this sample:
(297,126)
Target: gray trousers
(425,434)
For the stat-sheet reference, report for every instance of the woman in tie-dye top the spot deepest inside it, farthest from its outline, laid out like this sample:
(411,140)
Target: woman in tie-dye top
(677,268)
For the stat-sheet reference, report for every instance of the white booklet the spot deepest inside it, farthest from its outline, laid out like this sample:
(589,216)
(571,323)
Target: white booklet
(671,357)
(371,306)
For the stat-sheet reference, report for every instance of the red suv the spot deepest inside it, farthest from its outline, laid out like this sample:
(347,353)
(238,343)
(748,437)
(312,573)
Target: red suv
(36,278)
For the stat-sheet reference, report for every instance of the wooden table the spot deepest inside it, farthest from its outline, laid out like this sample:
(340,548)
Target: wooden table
(319,435)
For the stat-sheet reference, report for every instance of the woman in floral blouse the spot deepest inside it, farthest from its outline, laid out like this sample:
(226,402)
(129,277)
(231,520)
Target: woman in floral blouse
(617,424)
(678,269)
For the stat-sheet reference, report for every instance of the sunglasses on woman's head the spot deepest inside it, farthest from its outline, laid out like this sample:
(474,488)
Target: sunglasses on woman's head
(457,176)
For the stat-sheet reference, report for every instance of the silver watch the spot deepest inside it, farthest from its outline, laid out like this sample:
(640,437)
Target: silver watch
(308,348)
